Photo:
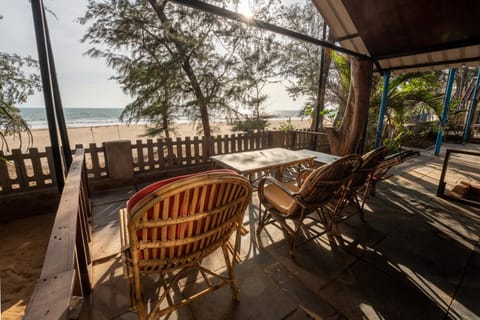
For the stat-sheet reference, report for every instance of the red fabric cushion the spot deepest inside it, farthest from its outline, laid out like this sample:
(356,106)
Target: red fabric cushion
(173,231)
(154,186)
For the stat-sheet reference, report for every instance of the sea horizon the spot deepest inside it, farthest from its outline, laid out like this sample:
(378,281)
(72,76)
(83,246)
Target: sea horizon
(77,117)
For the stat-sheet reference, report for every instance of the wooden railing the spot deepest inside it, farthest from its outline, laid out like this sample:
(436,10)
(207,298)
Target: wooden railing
(65,272)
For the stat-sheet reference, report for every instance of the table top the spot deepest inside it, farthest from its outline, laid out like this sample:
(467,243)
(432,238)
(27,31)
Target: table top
(320,157)
(259,160)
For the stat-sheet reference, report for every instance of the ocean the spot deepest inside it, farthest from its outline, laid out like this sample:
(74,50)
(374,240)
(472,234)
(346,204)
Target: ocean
(93,117)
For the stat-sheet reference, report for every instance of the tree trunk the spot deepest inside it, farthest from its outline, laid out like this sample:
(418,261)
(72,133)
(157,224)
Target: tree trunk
(187,68)
(325,68)
(346,139)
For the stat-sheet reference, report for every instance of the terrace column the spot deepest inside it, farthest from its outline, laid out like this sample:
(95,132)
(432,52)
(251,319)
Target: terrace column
(45,72)
(383,108)
(446,106)
(471,111)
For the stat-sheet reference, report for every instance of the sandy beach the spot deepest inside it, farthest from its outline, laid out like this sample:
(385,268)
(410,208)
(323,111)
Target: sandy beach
(99,134)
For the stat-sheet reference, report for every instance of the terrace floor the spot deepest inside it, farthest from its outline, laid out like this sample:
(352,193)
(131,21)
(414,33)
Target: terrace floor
(416,257)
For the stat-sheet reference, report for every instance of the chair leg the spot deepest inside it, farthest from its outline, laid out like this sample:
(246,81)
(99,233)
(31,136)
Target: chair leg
(262,218)
(294,237)
(139,303)
(231,273)
(356,203)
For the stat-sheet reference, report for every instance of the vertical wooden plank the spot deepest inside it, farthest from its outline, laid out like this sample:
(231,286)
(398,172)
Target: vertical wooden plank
(225,144)
(5,181)
(36,168)
(51,172)
(179,144)
(82,251)
(140,157)
(218,144)
(231,141)
(170,155)
(188,151)
(251,140)
(151,161)
(196,150)
(94,157)
(205,149)
(18,160)
(161,154)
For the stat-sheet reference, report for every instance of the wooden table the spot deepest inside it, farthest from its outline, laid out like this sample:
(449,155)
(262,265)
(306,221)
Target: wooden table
(251,163)
(320,157)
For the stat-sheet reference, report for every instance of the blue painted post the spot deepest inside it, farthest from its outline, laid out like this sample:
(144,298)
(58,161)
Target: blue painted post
(383,108)
(446,106)
(471,111)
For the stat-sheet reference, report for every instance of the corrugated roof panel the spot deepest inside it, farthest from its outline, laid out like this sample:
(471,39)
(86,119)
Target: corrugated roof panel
(337,27)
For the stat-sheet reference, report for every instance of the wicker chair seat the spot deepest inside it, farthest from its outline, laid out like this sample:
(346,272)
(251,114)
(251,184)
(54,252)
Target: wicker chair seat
(279,200)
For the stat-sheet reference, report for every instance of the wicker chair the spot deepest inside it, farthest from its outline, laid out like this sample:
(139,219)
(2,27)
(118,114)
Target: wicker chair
(363,176)
(297,201)
(170,226)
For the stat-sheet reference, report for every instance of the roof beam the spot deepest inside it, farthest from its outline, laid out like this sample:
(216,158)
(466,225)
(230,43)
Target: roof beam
(206,7)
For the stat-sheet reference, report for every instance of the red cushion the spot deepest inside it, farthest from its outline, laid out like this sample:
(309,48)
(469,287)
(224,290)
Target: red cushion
(175,230)
(154,186)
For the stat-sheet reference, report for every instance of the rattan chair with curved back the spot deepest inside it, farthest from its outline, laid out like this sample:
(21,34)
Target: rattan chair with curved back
(169,227)
(353,193)
(298,201)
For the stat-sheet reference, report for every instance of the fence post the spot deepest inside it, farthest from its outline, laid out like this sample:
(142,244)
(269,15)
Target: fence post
(119,160)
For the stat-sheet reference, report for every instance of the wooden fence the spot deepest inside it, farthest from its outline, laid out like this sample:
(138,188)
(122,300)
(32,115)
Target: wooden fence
(34,170)
(26,171)
(65,272)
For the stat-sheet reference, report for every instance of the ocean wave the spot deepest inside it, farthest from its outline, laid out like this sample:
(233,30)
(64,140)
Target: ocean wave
(95,117)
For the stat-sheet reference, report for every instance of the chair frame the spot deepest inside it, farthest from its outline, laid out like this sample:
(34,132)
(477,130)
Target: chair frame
(330,206)
(219,221)
(364,176)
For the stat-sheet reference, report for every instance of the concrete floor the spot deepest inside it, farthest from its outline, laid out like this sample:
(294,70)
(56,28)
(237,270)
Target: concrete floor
(416,257)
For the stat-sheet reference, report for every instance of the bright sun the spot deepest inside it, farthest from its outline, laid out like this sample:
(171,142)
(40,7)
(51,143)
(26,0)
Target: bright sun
(244,8)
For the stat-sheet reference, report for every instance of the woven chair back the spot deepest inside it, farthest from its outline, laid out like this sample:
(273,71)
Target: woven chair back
(371,160)
(323,182)
(182,222)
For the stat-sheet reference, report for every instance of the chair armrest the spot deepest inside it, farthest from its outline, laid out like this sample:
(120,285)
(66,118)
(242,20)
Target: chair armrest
(302,175)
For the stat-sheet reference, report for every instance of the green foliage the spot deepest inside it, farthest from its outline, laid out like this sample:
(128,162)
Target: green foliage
(300,61)
(16,84)
(174,60)
(393,144)
(287,126)
(250,125)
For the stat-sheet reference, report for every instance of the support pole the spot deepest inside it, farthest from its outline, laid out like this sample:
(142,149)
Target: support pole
(316,119)
(383,108)
(38,19)
(471,111)
(67,153)
(446,106)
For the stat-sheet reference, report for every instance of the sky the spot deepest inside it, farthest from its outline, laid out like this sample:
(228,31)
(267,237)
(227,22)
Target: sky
(83,81)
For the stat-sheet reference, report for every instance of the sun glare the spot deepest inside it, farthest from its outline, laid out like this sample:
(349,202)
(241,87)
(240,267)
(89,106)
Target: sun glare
(244,9)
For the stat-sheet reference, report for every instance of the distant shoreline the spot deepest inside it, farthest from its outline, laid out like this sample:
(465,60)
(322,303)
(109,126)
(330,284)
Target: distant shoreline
(102,133)
(95,117)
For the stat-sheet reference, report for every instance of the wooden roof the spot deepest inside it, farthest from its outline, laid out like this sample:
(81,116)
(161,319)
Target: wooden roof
(407,35)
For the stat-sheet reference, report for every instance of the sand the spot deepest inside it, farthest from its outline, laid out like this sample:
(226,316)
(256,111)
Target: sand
(23,246)
(99,134)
